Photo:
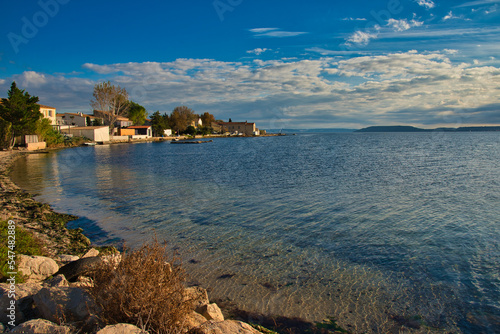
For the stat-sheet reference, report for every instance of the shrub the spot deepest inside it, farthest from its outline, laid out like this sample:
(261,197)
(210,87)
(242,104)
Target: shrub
(146,289)
(25,243)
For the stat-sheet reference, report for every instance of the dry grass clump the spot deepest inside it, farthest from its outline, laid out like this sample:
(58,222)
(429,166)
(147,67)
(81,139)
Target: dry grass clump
(146,289)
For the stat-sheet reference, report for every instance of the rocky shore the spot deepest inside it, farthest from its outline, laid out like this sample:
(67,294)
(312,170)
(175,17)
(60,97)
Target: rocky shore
(54,296)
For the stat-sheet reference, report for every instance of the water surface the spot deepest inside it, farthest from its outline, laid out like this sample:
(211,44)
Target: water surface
(379,231)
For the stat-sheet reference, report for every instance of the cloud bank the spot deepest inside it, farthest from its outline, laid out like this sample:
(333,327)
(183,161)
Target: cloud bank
(397,88)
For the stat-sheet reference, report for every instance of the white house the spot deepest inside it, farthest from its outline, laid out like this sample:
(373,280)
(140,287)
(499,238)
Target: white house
(94,133)
(49,113)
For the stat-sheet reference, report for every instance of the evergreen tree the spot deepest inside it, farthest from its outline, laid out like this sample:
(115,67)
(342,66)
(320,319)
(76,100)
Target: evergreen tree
(21,111)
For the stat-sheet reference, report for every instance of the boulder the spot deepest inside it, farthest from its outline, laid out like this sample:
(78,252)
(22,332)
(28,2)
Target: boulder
(224,327)
(69,303)
(121,329)
(57,281)
(36,268)
(24,300)
(65,258)
(38,326)
(211,312)
(197,295)
(193,320)
(91,253)
(79,267)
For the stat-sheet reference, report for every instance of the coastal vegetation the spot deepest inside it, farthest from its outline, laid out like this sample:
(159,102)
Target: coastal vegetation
(147,287)
(19,115)
(25,243)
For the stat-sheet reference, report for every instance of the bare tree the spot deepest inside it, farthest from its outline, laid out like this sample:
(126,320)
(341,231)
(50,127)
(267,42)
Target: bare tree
(109,102)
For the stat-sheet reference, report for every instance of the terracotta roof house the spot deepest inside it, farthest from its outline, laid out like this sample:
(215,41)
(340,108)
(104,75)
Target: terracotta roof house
(142,130)
(48,112)
(246,128)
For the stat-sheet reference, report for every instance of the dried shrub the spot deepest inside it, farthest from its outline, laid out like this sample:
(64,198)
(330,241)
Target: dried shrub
(145,289)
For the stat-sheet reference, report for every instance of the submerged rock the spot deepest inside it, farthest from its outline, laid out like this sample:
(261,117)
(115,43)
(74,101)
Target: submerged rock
(224,327)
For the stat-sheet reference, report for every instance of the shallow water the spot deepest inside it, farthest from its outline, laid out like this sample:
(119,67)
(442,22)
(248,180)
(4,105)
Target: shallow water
(379,231)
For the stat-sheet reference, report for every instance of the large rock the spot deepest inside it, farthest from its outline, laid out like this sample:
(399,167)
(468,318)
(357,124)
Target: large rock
(91,253)
(23,301)
(65,258)
(193,320)
(57,281)
(69,303)
(211,312)
(36,268)
(39,326)
(80,267)
(225,327)
(197,295)
(121,329)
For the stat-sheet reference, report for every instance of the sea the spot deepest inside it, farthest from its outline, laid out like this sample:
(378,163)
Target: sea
(379,232)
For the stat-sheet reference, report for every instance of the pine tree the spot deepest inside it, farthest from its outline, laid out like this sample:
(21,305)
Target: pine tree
(21,110)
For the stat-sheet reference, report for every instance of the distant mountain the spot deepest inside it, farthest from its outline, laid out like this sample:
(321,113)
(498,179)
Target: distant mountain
(403,128)
(396,128)
(327,130)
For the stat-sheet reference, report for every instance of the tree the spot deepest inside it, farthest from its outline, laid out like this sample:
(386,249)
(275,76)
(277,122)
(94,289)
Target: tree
(137,113)
(159,123)
(109,102)
(207,119)
(21,110)
(181,118)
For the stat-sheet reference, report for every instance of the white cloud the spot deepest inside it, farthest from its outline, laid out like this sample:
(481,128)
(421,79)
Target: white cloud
(409,87)
(262,30)
(353,19)
(428,4)
(450,16)
(275,32)
(258,51)
(31,78)
(361,37)
(402,25)
(398,25)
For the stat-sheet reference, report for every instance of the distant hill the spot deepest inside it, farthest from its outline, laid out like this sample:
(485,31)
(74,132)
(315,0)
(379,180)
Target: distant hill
(310,130)
(396,128)
(403,128)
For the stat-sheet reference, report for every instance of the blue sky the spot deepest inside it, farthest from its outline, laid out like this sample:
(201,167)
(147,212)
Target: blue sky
(282,64)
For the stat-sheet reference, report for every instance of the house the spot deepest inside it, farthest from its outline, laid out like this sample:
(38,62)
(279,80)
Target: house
(120,122)
(49,113)
(246,128)
(77,119)
(197,123)
(142,130)
(94,133)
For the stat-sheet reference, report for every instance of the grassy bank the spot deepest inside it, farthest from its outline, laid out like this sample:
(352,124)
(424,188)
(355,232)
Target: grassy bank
(37,219)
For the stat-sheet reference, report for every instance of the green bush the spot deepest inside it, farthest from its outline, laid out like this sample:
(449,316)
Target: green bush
(25,243)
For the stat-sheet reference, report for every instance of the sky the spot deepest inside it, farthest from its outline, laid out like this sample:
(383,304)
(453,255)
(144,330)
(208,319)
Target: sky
(281,64)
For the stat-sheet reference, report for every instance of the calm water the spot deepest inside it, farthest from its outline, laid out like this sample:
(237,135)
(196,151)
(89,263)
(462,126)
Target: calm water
(379,231)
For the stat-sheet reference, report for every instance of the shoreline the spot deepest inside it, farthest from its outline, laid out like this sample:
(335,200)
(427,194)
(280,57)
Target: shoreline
(38,218)
(49,227)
